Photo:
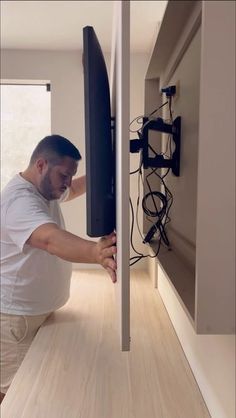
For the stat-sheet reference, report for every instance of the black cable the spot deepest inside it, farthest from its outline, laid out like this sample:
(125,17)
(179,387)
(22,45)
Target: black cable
(167,192)
(166,199)
(134,172)
(139,256)
(157,226)
(157,213)
(154,111)
(139,168)
(141,117)
(132,228)
(137,205)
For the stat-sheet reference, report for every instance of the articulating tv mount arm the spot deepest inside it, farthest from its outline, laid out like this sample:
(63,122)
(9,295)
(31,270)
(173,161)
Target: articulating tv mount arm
(159,161)
(159,125)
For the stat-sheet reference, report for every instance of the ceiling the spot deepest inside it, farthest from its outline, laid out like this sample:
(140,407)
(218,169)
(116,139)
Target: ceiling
(57,25)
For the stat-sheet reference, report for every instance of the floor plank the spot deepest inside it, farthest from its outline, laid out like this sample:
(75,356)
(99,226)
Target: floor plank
(74,368)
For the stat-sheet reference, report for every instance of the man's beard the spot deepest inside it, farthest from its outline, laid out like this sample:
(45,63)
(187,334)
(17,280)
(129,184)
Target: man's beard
(46,188)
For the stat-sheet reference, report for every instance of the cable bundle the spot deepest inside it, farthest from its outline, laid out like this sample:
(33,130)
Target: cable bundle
(156,213)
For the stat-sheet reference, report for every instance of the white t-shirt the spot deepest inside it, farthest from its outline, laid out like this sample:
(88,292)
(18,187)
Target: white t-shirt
(33,281)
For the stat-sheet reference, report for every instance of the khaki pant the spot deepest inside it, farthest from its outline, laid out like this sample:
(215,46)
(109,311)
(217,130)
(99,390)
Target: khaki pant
(17,334)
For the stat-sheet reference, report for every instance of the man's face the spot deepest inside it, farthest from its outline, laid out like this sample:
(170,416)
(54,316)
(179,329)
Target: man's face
(56,178)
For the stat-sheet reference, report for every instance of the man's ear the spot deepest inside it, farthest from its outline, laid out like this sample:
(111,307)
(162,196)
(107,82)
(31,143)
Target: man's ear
(41,165)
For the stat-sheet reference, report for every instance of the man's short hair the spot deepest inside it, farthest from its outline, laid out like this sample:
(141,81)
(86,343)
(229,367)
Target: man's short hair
(54,147)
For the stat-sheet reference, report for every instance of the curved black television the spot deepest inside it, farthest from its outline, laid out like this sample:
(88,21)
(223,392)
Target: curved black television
(99,139)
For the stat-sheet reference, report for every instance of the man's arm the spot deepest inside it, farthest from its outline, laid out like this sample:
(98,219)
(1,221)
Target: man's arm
(77,188)
(70,247)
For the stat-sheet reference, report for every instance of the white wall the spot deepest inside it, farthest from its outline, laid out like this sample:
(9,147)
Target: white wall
(65,71)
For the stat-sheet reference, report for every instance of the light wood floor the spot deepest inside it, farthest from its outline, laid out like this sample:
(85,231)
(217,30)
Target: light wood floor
(75,368)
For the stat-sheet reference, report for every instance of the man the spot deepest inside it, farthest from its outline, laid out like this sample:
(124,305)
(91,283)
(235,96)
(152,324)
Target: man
(37,251)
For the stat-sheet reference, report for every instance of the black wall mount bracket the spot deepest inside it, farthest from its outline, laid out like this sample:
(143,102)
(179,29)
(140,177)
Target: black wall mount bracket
(159,161)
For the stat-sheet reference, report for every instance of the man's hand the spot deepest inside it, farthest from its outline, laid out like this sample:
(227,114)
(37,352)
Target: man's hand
(105,249)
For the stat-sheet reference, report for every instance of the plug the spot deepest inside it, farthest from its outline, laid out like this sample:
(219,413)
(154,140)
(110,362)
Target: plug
(135,145)
(169,91)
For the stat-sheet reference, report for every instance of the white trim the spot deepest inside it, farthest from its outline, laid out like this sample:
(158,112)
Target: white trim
(25,82)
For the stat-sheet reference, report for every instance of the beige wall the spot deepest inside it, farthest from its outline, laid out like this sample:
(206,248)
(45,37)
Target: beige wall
(215,243)
(64,71)
(182,228)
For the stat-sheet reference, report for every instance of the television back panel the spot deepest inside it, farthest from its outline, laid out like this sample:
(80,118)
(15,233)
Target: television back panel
(100,175)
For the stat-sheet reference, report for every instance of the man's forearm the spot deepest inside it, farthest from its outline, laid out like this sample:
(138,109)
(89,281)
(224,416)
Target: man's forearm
(49,237)
(72,248)
(77,188)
